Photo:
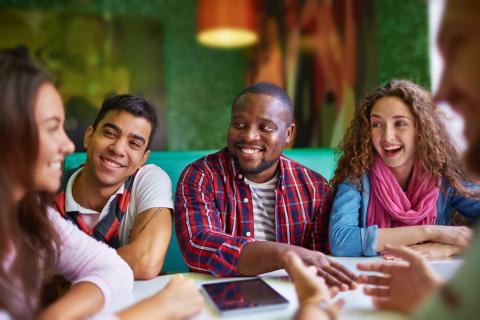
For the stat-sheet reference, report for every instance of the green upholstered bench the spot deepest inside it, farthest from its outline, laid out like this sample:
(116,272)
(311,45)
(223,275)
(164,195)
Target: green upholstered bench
(173,162)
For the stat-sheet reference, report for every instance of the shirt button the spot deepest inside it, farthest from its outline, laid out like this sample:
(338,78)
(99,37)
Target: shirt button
(240,176)
(248,234)
(245,200)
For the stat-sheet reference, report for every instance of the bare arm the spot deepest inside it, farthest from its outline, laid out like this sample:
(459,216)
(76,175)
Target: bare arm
(265,256)
(151,234)
(82,300)
(401,236)
(458,236)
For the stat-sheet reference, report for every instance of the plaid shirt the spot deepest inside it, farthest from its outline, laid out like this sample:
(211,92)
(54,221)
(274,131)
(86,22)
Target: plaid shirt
(214,213)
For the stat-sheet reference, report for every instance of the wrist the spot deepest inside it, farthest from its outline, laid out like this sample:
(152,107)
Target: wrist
(322,304)
(429,233)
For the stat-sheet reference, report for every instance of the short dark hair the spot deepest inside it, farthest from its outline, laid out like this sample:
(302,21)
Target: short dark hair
(270,90)
(135,105)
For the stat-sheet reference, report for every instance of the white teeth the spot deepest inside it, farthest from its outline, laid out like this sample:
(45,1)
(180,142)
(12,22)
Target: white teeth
(249,150)
(391,148)
(55,165)
(111,163)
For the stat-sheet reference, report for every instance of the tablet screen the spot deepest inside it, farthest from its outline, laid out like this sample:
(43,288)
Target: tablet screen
(243,294)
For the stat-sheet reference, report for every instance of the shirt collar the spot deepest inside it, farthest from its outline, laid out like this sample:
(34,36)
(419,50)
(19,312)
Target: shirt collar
(72,205)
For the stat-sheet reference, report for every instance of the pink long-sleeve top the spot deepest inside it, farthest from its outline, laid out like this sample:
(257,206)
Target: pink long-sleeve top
(83,259)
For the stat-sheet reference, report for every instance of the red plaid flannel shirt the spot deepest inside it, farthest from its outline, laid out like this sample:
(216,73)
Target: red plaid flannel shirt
(214,213)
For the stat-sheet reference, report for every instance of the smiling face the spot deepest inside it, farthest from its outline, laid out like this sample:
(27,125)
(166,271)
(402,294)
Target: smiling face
(459,45)
(54,144)
(116,148)
(258,132)
(393,133)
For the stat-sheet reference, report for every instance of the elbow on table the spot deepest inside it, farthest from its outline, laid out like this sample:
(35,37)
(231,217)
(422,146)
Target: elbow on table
(148,269)
(339,246)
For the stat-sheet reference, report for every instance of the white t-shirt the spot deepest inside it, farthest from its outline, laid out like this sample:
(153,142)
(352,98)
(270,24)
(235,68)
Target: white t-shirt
(263,202)
(151,188)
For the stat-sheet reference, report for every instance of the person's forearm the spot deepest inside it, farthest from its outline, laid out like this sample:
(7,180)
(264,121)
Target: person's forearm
(143,265)
(401,236)
(261,256)
(311,312)
(82,300)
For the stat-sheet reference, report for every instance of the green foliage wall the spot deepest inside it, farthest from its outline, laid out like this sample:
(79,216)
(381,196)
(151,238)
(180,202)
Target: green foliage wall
(403,40)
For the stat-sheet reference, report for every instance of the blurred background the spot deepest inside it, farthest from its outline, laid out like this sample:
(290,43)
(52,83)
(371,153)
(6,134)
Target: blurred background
(191,58)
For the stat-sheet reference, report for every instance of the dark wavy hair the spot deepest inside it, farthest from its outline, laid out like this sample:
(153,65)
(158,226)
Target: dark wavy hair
(435,151)
(29,243)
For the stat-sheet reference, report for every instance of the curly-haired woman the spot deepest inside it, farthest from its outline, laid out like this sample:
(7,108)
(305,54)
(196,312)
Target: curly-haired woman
(399,178)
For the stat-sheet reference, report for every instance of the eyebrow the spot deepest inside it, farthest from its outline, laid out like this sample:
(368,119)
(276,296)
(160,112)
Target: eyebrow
(52,118)
(394,117)
(117,128)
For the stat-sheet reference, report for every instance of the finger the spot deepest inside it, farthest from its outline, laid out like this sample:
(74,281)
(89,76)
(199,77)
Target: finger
(333,291)
(374,280)
(343,269)
(293,264)
(340,276)
(404,253)
(339,304)
(377,292)
(381,267)
(382,303)
(332,281)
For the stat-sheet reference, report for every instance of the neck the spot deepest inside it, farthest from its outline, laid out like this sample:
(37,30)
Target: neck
(88,192)
(263,176)
(402,174)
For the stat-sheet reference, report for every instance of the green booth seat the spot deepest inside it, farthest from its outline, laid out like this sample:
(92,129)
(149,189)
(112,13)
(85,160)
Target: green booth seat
(321,160)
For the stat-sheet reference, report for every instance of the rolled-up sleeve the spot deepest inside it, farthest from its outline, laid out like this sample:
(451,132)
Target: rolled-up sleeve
(83,259)
(347,237)
(199,226)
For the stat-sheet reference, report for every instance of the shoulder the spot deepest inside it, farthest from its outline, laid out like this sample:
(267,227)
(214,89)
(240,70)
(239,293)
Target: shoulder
(152,170)
(299,171)
(217,162)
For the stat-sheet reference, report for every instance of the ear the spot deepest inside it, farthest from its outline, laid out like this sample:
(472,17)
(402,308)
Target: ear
(145,156)
(289,133)
(87,137)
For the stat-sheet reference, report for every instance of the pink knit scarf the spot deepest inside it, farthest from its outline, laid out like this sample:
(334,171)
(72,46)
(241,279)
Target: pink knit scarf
(390,206)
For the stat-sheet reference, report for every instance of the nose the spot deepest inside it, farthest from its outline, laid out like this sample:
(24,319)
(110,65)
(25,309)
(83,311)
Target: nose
(67,145)
(389,132)
(250,133)
(118,147)
(442,91)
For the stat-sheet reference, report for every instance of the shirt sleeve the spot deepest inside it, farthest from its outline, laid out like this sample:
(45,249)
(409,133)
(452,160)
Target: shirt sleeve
(319,236)
(347,238)
(83,259)
(468,207)
(199,227)
(152,189)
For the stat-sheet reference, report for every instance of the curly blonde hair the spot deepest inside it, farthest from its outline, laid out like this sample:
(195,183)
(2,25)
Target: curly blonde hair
(435,151)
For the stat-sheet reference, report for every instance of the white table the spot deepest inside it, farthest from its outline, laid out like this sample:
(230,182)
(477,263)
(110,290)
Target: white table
(358,306)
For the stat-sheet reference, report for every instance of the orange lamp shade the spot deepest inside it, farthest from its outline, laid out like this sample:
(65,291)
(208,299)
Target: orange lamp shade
(227,23)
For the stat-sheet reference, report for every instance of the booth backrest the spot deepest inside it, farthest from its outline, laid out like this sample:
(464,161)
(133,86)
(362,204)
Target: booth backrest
(173,162)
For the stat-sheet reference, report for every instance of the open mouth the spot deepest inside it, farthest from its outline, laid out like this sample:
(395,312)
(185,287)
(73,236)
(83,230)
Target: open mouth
(249,150)
(111,164)
(57,165)
(392,150)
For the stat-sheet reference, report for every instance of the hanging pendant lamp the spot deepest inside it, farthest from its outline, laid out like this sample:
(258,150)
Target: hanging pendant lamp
(227,23)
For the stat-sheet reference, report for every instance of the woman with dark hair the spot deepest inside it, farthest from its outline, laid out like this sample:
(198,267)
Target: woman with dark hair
(399,178)
(35,242)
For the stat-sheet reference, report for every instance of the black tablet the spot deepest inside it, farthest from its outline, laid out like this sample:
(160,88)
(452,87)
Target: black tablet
(240,296)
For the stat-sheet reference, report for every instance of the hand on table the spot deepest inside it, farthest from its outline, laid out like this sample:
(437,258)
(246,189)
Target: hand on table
(310,288)
(436,251)
(334,273)
(179,299)
(458,236)
(403,285)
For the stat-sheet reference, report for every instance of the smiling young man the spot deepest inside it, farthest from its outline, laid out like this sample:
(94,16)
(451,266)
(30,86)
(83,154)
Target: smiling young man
(240,209)
(114,197)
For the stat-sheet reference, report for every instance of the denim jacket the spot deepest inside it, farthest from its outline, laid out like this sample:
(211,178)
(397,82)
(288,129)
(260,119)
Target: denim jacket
(348,231)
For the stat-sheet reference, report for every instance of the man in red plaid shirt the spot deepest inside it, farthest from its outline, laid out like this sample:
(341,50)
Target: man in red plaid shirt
(240,209)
